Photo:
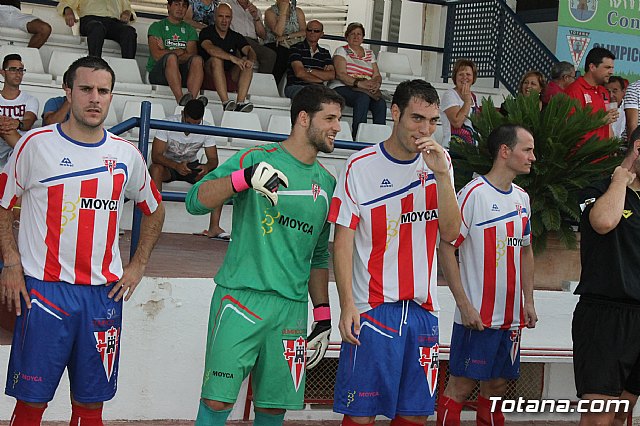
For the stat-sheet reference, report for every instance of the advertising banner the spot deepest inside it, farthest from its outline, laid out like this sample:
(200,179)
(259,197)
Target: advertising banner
(612,24)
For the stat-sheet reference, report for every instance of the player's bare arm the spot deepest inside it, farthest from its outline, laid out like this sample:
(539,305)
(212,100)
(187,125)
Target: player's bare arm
(607,210)
(530,316)
(469,315)
(12,285)
(343,268)
(150,230)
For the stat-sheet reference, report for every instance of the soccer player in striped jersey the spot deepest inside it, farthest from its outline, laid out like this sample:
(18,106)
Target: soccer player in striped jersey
(392,203)
(493,285)
(73,178)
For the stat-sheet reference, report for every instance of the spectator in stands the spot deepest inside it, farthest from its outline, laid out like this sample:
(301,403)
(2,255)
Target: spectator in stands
(285,26)
(617,90)
(358,78)
(589,89)
(201,13)
(248,22)
(12,17)
(57,108)
(562,75)
(174,59)
(103,19)
(309,63)
(632,106)
(532,81)
(18,109)
(228,60)
(174,156)
(459,103)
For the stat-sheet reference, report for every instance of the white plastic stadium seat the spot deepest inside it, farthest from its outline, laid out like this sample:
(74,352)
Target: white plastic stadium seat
(128,77)
(263,85)
(32,62)
(244,121)
(397,65)
(132,109)
(373,133)
(345,131)
(60,61)
(279,124)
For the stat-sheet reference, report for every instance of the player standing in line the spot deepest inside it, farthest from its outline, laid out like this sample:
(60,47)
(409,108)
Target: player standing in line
(493,287)
(278,253)
(392,203)
(73,178)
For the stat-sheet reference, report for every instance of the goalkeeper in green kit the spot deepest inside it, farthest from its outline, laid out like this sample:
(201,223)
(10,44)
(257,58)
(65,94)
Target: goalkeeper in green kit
(278,253)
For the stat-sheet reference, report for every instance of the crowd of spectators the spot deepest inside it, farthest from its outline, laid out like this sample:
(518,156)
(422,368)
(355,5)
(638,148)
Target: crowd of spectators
(208,44)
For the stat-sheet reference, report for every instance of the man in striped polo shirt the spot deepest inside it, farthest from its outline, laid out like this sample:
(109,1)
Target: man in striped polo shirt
(309,63)
(493,287)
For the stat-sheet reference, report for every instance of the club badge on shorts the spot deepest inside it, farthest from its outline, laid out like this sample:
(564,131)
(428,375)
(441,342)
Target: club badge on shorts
(429,361)
(295,353)
(107,343)
(515,344)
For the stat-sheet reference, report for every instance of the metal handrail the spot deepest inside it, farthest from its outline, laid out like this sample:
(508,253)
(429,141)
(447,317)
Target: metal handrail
(145,123)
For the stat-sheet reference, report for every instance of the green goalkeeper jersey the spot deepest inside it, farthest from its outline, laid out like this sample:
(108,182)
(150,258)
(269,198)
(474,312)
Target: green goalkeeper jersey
(273,249)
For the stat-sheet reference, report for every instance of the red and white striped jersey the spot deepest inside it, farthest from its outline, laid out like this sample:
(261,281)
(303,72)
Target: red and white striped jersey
(495,226)
(72,195)
(393,207)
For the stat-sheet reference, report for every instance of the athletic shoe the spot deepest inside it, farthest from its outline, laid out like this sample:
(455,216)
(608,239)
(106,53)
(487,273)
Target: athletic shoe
(204,100)
(184,99)
(230,105)
(244,107)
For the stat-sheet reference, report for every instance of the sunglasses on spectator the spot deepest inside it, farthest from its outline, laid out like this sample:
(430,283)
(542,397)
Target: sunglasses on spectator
(309,30)
(16,69)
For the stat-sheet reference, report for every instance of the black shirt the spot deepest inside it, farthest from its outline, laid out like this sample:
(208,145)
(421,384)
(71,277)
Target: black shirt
(611,262)
(14,3)
(232,43)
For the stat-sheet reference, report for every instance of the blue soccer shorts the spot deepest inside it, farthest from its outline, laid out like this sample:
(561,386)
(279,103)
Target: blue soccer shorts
(485,355)
(68,326)
(394,371)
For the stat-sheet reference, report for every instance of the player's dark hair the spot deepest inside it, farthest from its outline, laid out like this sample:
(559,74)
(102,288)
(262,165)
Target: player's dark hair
(617,79)
(10,57)
(505,134)
(311,98)
(596,56)
(92,62)
(418,89)
(194,109)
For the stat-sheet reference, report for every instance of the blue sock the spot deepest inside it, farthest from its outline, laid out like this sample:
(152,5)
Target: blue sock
(210,417)
(264,419)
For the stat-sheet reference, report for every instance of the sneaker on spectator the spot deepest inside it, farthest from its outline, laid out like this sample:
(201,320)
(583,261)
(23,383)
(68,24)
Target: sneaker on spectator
(244,107)
(204,100)
(230,105)
(184,99)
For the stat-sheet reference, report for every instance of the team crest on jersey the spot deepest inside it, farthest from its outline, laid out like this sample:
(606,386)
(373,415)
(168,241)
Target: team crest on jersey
(107,343)
(429,362)
(423,175)
(315,191)
(519,209)
(515,344)
(110,164)
(295,352)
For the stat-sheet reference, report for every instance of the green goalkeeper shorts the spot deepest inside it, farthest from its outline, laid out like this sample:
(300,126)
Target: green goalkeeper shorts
(258,333)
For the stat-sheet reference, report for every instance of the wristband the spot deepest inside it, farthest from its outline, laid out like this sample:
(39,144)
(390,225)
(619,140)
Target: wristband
(238,181)
(321,313)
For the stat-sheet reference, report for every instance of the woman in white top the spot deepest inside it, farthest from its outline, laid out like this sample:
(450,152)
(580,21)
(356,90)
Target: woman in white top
(459,103)
(358,78)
